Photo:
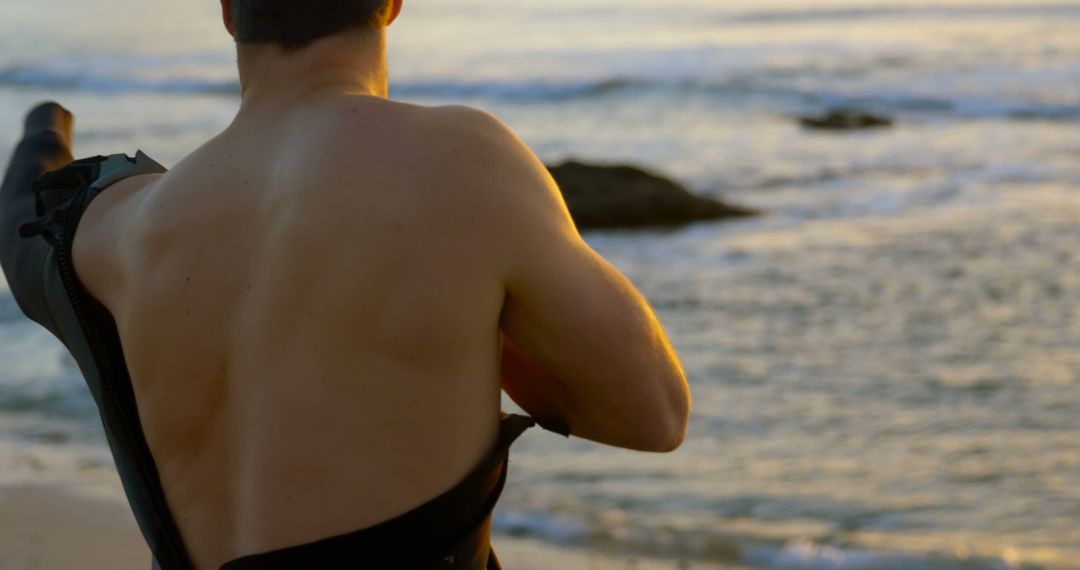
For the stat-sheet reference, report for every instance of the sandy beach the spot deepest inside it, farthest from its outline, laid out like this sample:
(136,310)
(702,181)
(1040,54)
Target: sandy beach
(49,527)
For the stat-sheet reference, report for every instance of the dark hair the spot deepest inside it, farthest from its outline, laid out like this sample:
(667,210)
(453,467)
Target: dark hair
(296,24)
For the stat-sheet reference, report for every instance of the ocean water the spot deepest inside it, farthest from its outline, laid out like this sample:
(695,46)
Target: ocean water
(886,367)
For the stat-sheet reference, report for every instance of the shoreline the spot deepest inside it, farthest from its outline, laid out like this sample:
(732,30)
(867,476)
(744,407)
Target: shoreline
(50,526)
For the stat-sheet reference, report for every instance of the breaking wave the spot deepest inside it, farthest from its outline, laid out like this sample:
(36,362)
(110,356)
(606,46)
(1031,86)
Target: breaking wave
(536,91)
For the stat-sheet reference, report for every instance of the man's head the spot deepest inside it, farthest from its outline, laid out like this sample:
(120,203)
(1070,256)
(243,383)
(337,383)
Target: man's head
(296,24)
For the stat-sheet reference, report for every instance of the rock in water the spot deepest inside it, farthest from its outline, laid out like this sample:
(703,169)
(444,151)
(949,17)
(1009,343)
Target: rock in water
(846,120)
(628,197)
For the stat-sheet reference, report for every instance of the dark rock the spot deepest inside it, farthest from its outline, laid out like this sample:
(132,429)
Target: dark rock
(628,197)
(846,120)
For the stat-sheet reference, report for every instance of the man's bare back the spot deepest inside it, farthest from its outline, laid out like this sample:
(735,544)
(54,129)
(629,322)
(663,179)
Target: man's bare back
(319,307)
(309,312)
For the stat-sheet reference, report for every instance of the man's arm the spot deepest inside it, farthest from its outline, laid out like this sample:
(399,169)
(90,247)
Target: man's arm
(583,345)
(45,146)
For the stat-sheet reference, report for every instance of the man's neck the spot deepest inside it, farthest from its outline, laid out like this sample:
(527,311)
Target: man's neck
(353,63)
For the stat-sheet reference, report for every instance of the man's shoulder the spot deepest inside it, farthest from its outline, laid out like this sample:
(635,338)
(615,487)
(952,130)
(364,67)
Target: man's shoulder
(498,168)
(471,158)
(488,147)
(462,119)
(463,130)
(417,120)
(453,143)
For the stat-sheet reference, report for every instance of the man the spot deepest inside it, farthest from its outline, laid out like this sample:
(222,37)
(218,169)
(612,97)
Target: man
(318,307)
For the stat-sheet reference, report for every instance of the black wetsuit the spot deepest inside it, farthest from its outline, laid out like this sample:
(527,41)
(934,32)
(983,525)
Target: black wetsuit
(43,197)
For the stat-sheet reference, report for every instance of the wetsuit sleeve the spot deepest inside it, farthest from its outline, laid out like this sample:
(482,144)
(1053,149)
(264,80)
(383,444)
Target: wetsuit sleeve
(45,146)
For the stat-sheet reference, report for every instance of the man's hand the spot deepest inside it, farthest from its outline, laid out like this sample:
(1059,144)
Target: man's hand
(50,116)
(531,386)
(45,146)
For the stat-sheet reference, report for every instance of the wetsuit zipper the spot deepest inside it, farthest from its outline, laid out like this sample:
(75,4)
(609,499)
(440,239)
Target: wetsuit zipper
(74,290)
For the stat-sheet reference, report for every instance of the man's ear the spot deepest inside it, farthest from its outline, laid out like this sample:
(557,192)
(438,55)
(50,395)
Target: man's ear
(395,10)
(226,14)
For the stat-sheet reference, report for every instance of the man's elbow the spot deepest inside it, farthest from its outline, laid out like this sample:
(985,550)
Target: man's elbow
(669,430)
(661,442)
